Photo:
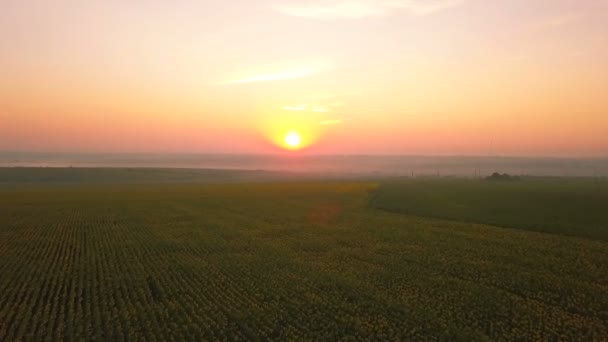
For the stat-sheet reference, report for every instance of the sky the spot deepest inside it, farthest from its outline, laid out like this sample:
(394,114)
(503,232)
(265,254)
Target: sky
(416,77)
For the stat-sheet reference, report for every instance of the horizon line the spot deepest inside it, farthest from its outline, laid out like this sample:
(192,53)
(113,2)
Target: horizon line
(304,154)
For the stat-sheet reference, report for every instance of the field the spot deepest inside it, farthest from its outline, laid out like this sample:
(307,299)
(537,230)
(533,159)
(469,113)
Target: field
(566,206)
(295,260)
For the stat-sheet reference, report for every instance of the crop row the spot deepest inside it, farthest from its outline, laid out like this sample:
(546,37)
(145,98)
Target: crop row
(261,266)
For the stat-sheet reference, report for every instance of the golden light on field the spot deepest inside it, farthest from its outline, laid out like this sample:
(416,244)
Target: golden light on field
(292,140)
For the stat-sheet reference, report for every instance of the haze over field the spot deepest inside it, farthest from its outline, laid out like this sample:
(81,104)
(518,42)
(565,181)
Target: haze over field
(328,165)
(421,77)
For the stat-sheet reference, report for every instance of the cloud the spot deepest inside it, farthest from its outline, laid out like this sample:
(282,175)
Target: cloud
(357,9)
(546,24)
(330,122)
(303,107)
(320,109)
(314,106)
(295,107)
(562,19)
(422,7)
(277,73)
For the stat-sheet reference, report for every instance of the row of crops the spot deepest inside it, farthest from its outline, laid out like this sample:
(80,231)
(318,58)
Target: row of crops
(280,262)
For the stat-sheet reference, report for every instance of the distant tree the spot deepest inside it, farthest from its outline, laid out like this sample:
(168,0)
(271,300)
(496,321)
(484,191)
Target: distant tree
(502,177)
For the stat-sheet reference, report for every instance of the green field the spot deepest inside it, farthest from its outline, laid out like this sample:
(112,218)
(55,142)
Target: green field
(305,260)
(567,206)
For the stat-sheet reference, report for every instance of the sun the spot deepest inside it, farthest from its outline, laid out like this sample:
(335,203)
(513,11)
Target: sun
(292,139)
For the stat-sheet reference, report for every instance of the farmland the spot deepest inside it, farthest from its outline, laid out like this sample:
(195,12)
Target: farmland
(566,206)
(304,259)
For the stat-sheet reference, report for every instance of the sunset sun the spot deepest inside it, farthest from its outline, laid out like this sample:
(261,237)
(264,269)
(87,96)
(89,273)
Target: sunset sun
(292,139)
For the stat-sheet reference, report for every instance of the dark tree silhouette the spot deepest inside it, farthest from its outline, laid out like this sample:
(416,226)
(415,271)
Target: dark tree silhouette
(502,177)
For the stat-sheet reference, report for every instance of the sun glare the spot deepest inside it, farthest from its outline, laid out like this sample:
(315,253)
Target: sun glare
(290,130)
(292,139)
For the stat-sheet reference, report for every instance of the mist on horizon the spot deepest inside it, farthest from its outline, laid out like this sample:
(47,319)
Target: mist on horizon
(323,165)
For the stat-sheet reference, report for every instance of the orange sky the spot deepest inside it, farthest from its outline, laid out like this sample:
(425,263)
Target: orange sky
(467,77)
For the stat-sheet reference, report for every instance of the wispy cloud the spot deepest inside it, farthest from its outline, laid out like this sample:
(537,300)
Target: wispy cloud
(320,109)
(277,73)
(330,122)
(549,23)
(357,9)
(562,19)
(295,108)
(316,106)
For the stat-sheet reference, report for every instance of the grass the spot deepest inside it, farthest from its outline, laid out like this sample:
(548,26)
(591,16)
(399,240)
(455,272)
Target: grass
(573,207)
(263,261)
